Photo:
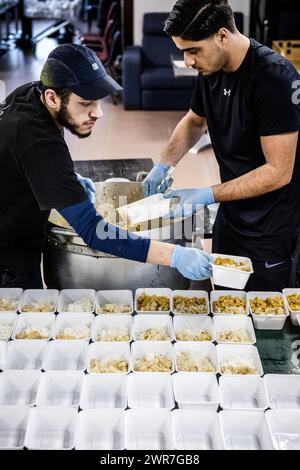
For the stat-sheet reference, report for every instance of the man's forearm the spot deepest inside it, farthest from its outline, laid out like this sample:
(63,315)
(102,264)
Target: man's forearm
(184,137)
(263,180)
(160,253)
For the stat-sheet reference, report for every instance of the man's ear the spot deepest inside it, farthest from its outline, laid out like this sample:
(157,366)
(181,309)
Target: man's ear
(222,37)
(51,99)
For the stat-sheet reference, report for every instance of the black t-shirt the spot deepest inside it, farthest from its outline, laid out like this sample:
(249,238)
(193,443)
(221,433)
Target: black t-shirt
(240,107)
(36,175)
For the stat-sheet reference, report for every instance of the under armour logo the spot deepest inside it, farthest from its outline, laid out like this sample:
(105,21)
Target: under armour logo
(227,92)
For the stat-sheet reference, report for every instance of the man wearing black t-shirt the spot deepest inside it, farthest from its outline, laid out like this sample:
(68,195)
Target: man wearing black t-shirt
(245,95)
(37,173)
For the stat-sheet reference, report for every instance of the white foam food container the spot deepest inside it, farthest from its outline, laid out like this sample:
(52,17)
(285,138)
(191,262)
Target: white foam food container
(245,430)
(25,354)
(150,208)
(230,323)
(13,424)
(106,350)
(2,354)
(216,294)
(19,388)
(40,296)
(13,294)
(142,323)
(267,322)
(196,430)
(60,389)
(51,428)
(231,277)
(293,313)
(189,294)
(148,429)
(243,393)
(238,354)
(298,319)
(284,426)
(144,349)
(113,323)
(66,355)
(8,321)
(150,391)
(197,350)
(101,430)
(102,391)
(70,296)
(195,324)
(283,391)
(196,391)
(162,292)
(117,297)
(34,320)
(73,321)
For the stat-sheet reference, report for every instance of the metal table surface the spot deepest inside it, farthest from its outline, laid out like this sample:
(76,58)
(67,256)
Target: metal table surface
(279,350)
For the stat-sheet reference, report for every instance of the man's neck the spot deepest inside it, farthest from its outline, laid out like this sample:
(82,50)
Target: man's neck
(238,52)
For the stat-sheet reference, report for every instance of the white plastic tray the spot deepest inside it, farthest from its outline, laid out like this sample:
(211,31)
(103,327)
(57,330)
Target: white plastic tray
(293,313)
(228,323)
(73,320)
(284,426)
(196,430)
(148,430)
(196,391)
(190,294)
(13,423)
(194,323)
(66,355)
(8,320)
(32,320)
(267,322)
(142,349)
(227,352)
(31,296)
(19,388)
(102,391)
(283,391)
(245,430)
(243,393)
(51,429)
(150,208)
(230,277)
(2,354)
(118,297)
(101,430)
(25,354)
(68,296)
(154,291)
(216,294)
(60,389)
(14,294)
(203,350)
(109,350)
(111,322)
(143,322)
(150,391)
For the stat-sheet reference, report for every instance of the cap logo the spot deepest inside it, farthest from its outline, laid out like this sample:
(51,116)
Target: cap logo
(95,66)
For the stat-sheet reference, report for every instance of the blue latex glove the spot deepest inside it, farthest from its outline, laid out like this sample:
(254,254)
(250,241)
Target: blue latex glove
(88,186)
(154,179)
(190,201)
(192,263)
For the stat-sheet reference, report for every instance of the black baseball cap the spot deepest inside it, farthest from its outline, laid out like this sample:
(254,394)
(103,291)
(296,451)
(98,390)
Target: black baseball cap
(78,68)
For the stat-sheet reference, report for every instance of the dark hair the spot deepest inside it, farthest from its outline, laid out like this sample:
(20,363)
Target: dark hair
(63,93)
(195,20)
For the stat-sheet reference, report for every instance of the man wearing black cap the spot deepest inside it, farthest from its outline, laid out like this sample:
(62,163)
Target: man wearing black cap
(37,173)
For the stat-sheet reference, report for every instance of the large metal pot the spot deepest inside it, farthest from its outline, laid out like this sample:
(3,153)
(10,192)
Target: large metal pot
(69,263)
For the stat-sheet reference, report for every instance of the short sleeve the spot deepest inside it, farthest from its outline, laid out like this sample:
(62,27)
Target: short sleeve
(197,99)
(49,170)
(275,109)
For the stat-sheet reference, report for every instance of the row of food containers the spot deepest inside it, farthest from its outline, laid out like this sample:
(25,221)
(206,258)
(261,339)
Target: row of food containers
(140,356)
(47,428)
(83,326)
(118,391)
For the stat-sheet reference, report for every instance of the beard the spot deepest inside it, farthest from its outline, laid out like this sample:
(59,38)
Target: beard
(65,120)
